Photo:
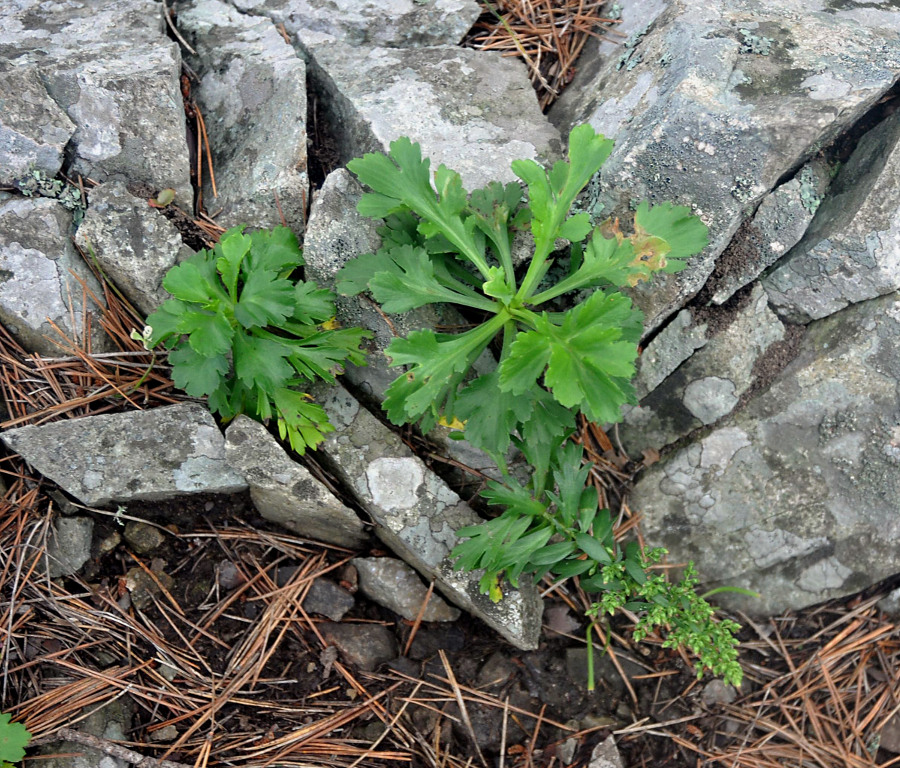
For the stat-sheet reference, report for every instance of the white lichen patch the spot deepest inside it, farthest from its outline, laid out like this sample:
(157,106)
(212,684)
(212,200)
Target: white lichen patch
(394,483)
(829,573)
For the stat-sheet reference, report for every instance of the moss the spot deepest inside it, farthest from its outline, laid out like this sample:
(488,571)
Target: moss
(756,44)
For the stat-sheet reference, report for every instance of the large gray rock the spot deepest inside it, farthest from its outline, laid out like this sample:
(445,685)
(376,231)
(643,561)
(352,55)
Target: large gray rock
(714,102)
(417,515)
(796,496)
(134,244)
(391,23)
(34,130)
(285,492)
(252,93)
(852,249)
(473,111)
(139,455)
(710,384)
(111,68)
(39,277)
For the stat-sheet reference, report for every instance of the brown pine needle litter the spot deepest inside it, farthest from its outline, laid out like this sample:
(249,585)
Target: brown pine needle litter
(548,35)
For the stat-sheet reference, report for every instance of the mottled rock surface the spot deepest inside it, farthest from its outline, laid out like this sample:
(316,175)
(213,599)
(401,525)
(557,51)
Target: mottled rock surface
(710,384)
(473,111)
(710,104)
(139,455)
(284,491)
(69,545)
(852,249)
(252,93)
(388,23)
(417,515)
(364,645)
(393,584)
(37,285)
(134,244)
(34,130)
(796,496)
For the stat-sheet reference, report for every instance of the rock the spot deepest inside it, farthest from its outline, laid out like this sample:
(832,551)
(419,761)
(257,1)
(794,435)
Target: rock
(134,244)
(396,586)
(143,537)
(110,67)
(112,721)
(606,755)
(396,24)
(674,344)
(890,604)
(285,492)
(473,111)
(710,384)
(327,598)
(717,692)
(69,546)
(794,497)
(712,105)
(363,645)
(851,251)
(252,94)
(39,278)
(777,226)
(890,734)
(122,457)
(143,588)
(34,130)
(417,514)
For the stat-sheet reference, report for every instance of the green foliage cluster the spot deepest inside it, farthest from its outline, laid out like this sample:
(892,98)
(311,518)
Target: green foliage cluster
(245,334)
(443,244)
(14,737)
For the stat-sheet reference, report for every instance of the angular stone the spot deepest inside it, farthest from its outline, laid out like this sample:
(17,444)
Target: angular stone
(710,384)
(393,24)
(795,496)
(777,226)
(285,492)
(328,598)
(122,457)
(473,111)
(711,104)
(670,348)
(252,93)
(143,537)
(70,545)
(417,514)
(606,755)
(127,107)
(34,130)
(37,284)
(852,249)
(396,586)
(363,645)
(134,244)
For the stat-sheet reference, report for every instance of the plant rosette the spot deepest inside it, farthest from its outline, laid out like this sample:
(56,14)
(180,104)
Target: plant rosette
(242,332)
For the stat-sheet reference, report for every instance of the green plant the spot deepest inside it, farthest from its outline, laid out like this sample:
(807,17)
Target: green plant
(246,335)
(14,737)
(442,244)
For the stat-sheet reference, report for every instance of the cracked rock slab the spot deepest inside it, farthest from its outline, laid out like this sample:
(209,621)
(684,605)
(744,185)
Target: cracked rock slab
(711,104)
(37,286)
(473,111)
(133,243)
(852,249)
(709,385)
(284,491)
(252,93)
(139,455)
(34,130)
(795,497)
(388,23)
(417,514)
